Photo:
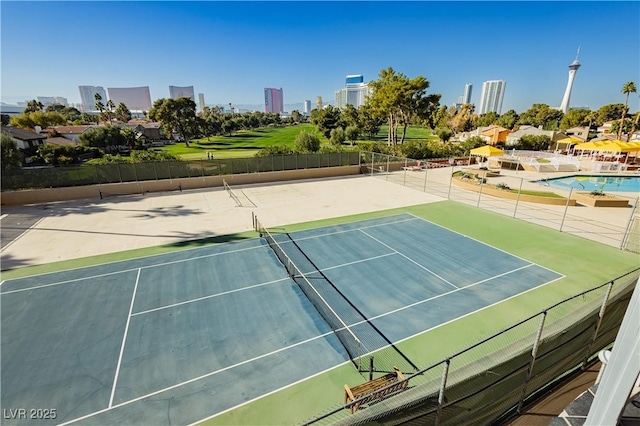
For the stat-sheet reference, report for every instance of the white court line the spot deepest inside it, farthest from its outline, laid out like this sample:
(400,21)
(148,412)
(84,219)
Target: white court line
(349,230)
(3,216)
(402,340)
(197,378)
(125,270)
(409,259)
(210,296)
(124,339)
(444,294)
(254,286)
(483,243)
(354,262)
(139,258)
(68,281)
(309,340)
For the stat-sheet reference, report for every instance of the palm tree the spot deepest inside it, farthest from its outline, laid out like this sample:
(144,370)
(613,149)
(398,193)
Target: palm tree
(628,88)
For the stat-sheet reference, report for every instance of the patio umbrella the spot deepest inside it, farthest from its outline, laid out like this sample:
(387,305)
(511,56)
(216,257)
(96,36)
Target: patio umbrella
(568,141)
(485,151)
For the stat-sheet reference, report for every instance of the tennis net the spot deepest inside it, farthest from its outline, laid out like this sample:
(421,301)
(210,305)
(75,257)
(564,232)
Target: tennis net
(354,347)
(231,193)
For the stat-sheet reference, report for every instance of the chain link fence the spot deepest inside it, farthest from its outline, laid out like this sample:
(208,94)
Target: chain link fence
(496,377)
(78,175)
(620,229)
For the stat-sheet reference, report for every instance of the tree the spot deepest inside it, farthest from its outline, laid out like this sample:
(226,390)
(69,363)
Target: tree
(541,115)
(133,139)
(349,115)
(368,122)
(176,116)
(628,88)
(326,119)
(471,143)
(33,106)
(634,126)
(444,133)
(99,104)
(573,118)
(295,116)
(534,142)
(29,120)
(487,119)
(609,113)
(10,155)
(122,113)
(5,119)
(104,137)
(307,142)
(399,99)
(352,133)
(439,117)
(337,136)
(508,120)
(462,121)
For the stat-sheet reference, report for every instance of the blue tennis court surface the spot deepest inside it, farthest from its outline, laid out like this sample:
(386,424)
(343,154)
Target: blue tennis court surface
(180,337)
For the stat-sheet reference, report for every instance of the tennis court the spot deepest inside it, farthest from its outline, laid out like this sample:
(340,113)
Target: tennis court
(179,337)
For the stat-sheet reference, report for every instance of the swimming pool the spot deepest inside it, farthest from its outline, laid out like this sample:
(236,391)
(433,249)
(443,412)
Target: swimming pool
(592,183)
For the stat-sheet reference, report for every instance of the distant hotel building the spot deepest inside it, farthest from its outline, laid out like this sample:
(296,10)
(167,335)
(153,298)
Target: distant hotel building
(87,97)
(52,100)
(176,92)
(135,98)
(466,97)
(201,101)
(492,96)
(273,100)
(307,107)
(354,93)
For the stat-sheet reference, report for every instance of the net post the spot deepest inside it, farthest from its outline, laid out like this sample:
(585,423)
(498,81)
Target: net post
(534,354)
(371,368)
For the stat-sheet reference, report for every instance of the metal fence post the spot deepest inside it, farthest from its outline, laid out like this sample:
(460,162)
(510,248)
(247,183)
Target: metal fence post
(404,178)
(443,386)
(627,230)
(450,183)
(373,160)
(482,179)
(566,207)
(119,172)
(515,210)
(426,172)
(595,332)
(534,353)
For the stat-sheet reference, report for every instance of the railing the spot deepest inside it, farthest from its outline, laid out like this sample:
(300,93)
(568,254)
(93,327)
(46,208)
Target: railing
(57,177)
(616,230)
(497,376)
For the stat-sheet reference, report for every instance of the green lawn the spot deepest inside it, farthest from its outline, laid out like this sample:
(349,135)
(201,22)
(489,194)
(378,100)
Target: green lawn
(240,144)
(248,143)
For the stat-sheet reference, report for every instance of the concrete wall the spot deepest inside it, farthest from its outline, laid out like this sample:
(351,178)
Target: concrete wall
(93,191)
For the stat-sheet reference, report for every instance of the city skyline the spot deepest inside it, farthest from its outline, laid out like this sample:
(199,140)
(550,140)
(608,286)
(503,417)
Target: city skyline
(531,49)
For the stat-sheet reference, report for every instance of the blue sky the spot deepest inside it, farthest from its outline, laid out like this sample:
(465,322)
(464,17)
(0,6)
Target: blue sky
(231,51)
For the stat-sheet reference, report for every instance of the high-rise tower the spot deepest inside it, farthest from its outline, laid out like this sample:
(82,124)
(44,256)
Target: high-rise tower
(573,68)
(492,96)
(273,100)
(466,97)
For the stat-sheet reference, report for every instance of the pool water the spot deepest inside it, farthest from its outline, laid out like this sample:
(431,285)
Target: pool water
(592,183)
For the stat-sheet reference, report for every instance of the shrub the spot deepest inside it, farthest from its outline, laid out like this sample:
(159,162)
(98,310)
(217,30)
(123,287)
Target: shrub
(337,136)
(307,142)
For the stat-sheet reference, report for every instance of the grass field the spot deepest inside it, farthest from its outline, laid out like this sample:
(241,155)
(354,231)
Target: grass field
(248,143)
(240,144)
